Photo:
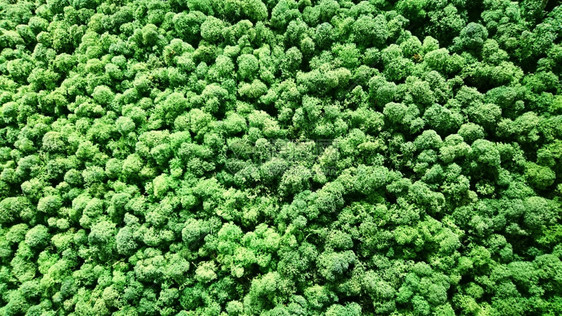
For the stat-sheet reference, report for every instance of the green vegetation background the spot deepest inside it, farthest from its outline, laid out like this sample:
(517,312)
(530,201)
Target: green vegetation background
(245,157)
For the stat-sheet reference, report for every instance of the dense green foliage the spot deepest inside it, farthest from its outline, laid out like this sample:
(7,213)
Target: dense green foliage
(244,157)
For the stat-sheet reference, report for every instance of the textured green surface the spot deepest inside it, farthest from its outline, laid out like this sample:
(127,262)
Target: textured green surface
(255,157)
